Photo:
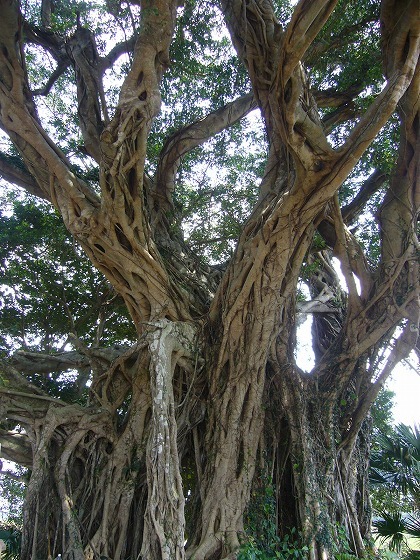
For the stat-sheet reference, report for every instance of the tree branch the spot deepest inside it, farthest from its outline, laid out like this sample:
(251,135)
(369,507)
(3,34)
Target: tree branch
(349,262)
(59,71)
(342,114)
(405,36)
(56,46)
(307,21)
(43,159)
(331,98)
(91,109)
(118,50)
(372,184)
(15,447)
(192,136)
(18,175)
(255,33)
(400,351)
(352,211)
(37,362)
(46,39)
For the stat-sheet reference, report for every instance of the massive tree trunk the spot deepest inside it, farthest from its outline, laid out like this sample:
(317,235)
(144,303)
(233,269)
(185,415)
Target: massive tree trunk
(194,395)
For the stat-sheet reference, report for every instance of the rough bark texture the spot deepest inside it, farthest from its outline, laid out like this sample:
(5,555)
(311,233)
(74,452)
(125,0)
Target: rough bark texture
(212,385)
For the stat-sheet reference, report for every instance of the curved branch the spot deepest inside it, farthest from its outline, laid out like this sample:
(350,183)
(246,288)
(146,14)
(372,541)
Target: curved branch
(351,212)
(352,260)
(59,71)
(192,136)
(405,36)
(18,175)
(91,99)
(50,41)
(372,184)
(37,362)
(16,447)
(119,49)
(308,19)
(56,46)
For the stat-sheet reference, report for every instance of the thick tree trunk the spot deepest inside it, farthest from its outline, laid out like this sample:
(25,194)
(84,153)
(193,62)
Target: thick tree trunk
(115,468)
(235,421)
(330,481)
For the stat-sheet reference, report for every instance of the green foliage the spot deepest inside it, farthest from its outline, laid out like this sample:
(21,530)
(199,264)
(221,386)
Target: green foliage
(395,469)
(12,491)
(398,531)
(382,418)
(12,538)
(391,527)
(349,44)
(42,270)
(412,555)
(263,542)
(288,548)
(41,300)
(396,464)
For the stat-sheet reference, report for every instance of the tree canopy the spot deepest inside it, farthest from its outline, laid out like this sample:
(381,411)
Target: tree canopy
(177,178)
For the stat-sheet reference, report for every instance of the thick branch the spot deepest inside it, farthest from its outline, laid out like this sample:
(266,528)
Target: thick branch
(194,135)
(353,210)
(15,447)
(35,362)
(330,98)
(19,176)
(405,36)
(352,261)
(118,50)
(46,39)
(342,114)
(345,108)
(255,33)
(91,99)
(307,21)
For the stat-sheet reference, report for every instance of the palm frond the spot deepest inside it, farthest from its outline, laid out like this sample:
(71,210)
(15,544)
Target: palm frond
(391,528)
(412,525)
(410,437)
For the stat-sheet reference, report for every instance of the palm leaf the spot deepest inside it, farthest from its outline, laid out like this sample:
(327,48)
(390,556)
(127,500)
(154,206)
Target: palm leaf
(12,540)
(412,525)
(397,463)
(391,528)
